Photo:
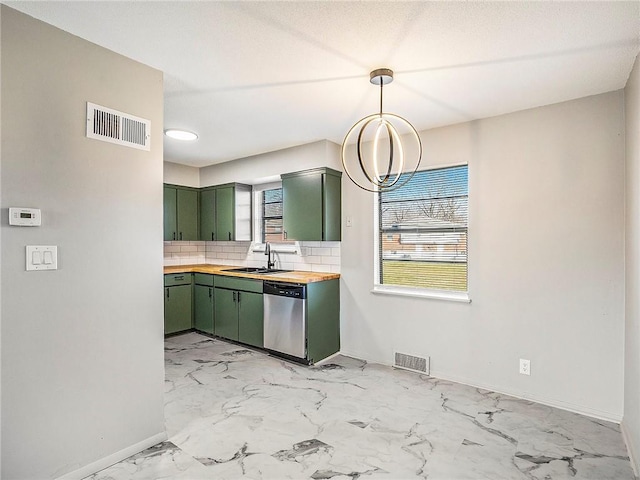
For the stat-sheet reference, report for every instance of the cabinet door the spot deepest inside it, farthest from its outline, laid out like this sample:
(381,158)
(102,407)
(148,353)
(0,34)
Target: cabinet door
(302,207)
(170,219)
(250,324)
(203,304)
(226,313)
(187,214)
(208,215)
(177,308)
(225,215)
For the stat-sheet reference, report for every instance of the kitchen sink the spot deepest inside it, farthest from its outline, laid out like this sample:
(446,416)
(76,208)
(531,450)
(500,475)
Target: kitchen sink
(258,270)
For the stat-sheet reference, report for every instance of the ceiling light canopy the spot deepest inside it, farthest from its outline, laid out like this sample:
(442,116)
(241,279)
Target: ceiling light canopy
(382,151)
(180,134)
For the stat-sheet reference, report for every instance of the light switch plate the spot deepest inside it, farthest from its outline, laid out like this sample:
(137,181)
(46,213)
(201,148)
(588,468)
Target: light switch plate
(42,257)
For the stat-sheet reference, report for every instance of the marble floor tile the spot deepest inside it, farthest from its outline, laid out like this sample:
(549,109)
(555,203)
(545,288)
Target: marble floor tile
(233,412)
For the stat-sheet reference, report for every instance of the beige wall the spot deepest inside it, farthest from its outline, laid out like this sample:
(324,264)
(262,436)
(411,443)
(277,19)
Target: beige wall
(82,346)
(631,421)
(270,165)
(181,174)
(546,261)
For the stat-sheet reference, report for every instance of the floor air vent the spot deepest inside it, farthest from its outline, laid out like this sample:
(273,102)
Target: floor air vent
(411,362)
(121,128)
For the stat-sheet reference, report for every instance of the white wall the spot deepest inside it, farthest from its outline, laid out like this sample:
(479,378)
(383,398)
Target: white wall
(82,347)
(268,165)
(177,174)
(546,261)
(631,420)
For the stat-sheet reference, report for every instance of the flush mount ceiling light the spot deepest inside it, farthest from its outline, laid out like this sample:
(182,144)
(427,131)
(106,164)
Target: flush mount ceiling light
(382,151)
(180,134)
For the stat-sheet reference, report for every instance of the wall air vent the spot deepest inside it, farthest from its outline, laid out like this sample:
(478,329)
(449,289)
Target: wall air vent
(112,126)
(413,363)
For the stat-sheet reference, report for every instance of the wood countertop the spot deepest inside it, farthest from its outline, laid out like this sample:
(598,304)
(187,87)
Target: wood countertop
(294,276)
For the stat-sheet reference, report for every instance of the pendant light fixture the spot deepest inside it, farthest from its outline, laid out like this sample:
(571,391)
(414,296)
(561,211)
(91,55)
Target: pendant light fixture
(382,151)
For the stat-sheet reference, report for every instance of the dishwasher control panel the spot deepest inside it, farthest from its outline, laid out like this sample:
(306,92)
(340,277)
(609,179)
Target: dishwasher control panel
(292,290)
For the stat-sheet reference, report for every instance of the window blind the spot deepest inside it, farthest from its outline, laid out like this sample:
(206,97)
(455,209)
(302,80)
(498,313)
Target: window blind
(272,215)
(423,231)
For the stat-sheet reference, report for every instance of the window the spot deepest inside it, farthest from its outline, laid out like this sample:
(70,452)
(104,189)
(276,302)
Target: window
(272,215)
(423,231)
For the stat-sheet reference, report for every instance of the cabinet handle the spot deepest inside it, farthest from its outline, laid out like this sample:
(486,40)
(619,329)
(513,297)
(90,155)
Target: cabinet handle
(181,277)
(174,235)
(167,293)
(212,236)
(180,235)
(229,236)
(238,297)
(210,292)
(234,297)
(285,234)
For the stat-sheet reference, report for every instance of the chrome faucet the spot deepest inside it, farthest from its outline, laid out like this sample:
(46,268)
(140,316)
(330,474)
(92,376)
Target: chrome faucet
(267,252)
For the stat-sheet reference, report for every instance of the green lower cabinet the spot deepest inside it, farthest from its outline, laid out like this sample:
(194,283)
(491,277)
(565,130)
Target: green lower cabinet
(226,308)
(250,322)
(203,305)
(238,316)
(177,308)
(323,319)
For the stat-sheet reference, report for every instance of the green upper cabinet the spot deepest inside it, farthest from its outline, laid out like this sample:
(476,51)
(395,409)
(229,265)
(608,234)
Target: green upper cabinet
(225,212)
(180,213)
(170,213)
(208,214)
(312,204)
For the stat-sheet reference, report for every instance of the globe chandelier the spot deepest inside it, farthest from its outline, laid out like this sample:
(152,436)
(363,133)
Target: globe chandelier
(382,151)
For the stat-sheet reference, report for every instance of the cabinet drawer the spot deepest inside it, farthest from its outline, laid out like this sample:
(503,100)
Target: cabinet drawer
(234,283)
(177,279)
(203,279)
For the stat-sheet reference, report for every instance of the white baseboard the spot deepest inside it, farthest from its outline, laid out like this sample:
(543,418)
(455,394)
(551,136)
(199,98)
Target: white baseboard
(630,449)
(114,458)
(551,402)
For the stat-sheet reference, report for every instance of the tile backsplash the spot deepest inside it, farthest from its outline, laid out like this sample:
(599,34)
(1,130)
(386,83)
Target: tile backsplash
(313,257)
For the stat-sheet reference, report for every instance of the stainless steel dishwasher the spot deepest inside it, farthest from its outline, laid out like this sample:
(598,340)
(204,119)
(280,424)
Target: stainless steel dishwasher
(285,318)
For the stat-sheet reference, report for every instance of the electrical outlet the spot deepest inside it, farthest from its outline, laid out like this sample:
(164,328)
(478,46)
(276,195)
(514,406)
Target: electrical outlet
(525,367)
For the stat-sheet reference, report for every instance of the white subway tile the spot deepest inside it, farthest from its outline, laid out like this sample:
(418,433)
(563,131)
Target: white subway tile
(335,268)
(335,252)
(323,252)
(301,266)
(321,268)
(171,248)
(313,259)
(171,261)
(331,260)
(188,248)
(331,244)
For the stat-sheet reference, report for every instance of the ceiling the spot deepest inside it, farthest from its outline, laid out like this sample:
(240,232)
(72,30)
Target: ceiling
(252,77)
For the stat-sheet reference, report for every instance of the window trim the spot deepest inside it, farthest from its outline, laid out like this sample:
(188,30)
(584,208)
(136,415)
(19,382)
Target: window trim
(406,291)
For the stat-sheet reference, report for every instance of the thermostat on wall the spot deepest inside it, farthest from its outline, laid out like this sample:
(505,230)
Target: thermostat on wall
(25,217)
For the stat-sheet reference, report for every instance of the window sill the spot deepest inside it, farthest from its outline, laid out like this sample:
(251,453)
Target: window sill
(462,297)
